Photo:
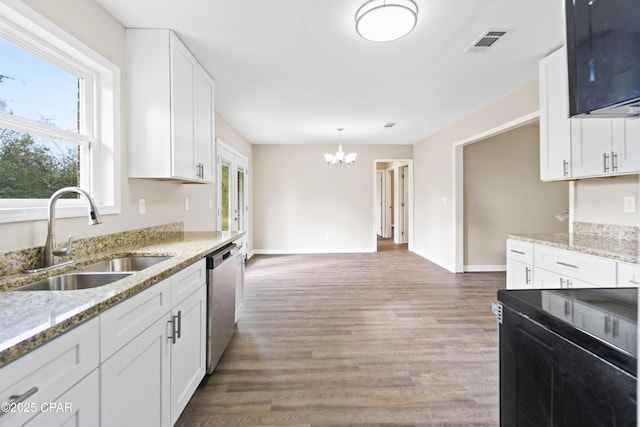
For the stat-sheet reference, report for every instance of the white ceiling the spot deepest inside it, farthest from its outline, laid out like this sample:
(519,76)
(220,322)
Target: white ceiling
(292,71)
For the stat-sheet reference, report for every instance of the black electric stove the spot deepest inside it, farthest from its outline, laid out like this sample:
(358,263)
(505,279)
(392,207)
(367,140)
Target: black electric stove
(568,357)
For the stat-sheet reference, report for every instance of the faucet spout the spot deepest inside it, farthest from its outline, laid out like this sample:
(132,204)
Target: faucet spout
(50,249)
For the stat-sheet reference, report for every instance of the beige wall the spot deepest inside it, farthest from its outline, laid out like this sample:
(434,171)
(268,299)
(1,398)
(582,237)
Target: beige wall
(434,222)
(601,201)
(302,205)
(503,194)
(92,25)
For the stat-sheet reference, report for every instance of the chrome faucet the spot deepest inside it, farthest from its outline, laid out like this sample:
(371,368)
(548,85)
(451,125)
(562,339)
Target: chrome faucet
(50,249)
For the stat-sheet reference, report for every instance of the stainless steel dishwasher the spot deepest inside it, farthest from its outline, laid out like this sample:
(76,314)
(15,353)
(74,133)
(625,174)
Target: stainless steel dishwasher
(221,301)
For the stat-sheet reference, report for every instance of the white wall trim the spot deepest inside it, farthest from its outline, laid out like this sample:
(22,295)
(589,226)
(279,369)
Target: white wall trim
(436,261)
(484,268)
(311,251)
(458,180)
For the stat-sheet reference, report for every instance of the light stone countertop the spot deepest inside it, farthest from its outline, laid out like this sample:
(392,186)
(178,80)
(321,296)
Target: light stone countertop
(29,319)
(607,247)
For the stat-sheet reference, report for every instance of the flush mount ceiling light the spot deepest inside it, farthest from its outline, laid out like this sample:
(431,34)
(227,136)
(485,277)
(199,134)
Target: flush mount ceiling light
(386,20)
(340,158)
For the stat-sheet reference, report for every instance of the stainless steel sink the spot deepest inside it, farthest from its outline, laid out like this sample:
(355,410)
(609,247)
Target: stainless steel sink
(128,263)
(73,281)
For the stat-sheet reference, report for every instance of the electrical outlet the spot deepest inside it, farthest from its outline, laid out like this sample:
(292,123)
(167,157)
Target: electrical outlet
(630,204)
(186,204)
(142,209)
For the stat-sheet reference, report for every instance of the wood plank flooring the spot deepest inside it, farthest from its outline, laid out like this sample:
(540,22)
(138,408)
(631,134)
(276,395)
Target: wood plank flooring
(382,338)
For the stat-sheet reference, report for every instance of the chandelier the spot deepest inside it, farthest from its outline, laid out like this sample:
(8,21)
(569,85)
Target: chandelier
(340,158)
(386,20)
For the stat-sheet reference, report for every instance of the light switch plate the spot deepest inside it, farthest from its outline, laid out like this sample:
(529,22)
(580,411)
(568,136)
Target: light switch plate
(630,204)
(142,209)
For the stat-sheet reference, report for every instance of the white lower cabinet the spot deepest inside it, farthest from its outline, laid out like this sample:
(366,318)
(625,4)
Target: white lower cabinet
(519,264)
(150,379)
(545,279)
(188,353)
(628,275)
(135,381)
(78,407)
(519,275)
(539,266)
(44,375)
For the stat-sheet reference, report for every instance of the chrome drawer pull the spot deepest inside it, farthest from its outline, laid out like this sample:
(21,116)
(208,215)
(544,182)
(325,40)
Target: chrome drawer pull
(566,265)
(17,398)
(517,252)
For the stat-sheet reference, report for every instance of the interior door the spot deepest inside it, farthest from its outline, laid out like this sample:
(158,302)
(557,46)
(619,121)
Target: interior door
(379,213)
(233,188)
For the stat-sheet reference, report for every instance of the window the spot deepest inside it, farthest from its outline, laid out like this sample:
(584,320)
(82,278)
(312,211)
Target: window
(58,119)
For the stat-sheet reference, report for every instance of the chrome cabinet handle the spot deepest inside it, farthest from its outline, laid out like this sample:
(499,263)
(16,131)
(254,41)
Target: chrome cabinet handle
(174,333)
(17,398)
(605,161)
(561,282)
(567,308)
(179,323)
(565,168)
(566,265)
(527,275)
(614,161)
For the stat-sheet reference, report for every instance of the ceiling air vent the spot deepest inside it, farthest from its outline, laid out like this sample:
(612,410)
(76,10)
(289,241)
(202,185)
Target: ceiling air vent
(487,40)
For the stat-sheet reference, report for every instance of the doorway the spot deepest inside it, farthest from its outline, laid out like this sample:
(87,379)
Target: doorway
(232,189)
(393,218)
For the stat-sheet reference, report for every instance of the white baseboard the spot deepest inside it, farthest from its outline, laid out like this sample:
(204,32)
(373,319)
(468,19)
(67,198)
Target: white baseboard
(436,261)
(484,268)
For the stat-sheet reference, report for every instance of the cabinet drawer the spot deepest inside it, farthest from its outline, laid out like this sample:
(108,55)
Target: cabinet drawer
(545,279)
(587,268)
(628,275)
(186,281)
(520,251)
(49,371)
(78,407)
(125,321)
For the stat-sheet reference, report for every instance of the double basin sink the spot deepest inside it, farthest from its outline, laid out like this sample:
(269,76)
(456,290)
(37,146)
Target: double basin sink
(94,275)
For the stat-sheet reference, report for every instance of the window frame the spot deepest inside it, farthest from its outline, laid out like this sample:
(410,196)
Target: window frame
(100,114)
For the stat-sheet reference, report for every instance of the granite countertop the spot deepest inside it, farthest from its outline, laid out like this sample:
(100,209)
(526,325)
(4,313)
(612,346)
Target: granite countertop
(607,247)
(29,319)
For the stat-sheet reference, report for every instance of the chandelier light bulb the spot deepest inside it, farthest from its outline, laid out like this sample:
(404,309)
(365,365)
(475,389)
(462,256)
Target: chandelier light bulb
(340,157)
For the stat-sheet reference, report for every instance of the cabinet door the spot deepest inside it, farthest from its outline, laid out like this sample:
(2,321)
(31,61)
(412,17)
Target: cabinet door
(591,153)
(555,126)
(626,145)
(628,275)
(135,381)
(205,125)
(519,275)
(78,407)
(183,75)
(48,371)
(188,358)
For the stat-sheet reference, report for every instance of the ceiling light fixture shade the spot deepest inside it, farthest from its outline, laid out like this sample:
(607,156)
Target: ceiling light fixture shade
(340,158)
(386,20)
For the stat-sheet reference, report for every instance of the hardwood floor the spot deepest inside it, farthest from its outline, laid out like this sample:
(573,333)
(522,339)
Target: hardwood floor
(382,338)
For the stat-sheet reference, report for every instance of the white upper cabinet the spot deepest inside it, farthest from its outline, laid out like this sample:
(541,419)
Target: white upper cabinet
(555,126)
(170,108)
(580,148)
